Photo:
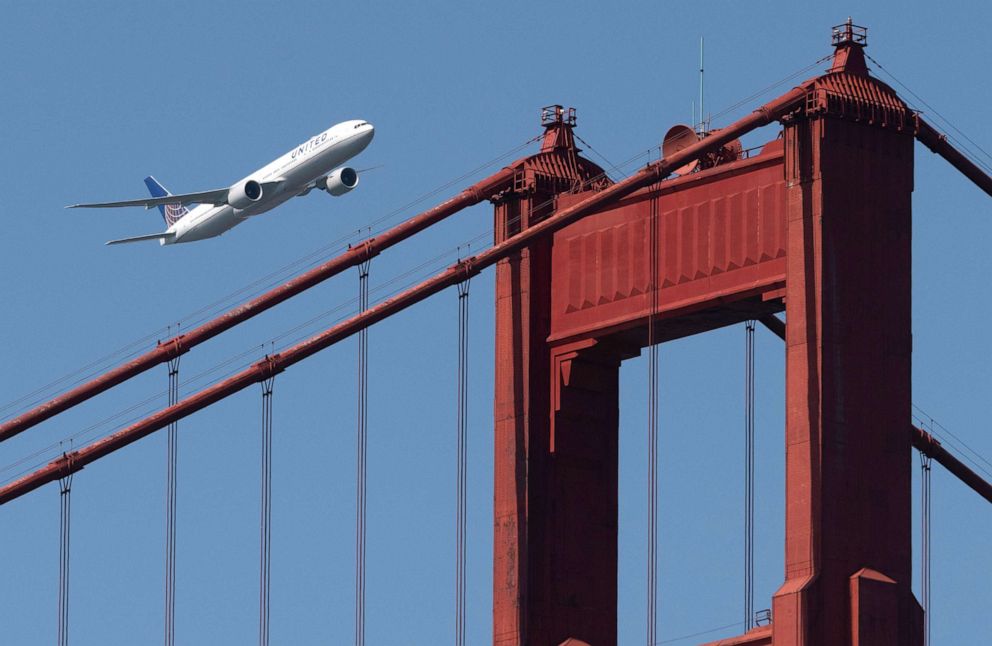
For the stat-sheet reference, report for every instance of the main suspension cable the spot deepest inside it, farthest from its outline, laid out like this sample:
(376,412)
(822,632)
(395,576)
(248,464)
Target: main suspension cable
(81,374)
(170,509)
(462,485)
(361,475)
(748,475)
(265,524)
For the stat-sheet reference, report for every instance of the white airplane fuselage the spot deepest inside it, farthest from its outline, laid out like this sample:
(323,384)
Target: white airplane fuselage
(294,173)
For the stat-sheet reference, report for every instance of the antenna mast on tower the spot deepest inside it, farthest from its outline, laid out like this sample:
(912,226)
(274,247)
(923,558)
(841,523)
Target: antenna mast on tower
(702,113)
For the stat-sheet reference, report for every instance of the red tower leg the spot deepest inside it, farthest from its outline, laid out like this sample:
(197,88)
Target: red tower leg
(848,366)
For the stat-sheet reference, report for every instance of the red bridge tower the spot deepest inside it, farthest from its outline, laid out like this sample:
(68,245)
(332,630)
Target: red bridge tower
(817,224)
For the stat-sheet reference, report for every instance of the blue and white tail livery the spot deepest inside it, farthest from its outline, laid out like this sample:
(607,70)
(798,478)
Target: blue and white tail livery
(170,212)
(316,163)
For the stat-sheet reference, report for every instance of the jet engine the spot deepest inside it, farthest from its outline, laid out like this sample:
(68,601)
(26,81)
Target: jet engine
(241,196)
(339,181)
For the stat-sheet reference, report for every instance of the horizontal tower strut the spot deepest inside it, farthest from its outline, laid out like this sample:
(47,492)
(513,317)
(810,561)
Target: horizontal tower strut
(271,365)
(937,142)
(180,344)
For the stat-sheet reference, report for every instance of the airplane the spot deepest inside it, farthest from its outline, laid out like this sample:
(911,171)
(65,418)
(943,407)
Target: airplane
(316,163)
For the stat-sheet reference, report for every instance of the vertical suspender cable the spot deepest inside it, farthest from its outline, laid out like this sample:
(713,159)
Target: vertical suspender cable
(749,476)
(65,500)
(363,405)
(265,524)
(462,462)
(170,510)
(925,540)
(652,564)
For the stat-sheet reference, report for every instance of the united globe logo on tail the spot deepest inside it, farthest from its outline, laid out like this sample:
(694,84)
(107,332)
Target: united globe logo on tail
(171,213)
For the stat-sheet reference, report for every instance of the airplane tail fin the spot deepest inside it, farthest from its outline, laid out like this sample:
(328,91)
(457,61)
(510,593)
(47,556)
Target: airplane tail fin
(171,213)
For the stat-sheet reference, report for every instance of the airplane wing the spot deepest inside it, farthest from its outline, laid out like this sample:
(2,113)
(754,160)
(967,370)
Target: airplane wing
(217,196)
(151,236)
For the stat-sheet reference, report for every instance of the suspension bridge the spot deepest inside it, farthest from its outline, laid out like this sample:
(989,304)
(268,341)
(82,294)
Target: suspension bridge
(591,270)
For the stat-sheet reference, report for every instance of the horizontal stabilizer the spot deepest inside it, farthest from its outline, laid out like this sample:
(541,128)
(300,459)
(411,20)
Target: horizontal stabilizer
(217,196)
(165,235)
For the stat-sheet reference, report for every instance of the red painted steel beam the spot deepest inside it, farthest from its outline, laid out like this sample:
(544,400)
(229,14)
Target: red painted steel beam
(937,142)
(928,445)
(775,324)
(653,172)
(181,344)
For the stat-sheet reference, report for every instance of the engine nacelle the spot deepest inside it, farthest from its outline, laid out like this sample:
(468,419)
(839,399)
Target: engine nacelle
(243,195)
(340,181)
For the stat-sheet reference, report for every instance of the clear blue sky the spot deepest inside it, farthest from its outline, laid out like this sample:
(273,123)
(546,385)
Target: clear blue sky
(98,95)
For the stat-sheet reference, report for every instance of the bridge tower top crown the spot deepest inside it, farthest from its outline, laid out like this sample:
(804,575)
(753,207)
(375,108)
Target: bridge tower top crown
(847,34)
(558,122)
(849,41)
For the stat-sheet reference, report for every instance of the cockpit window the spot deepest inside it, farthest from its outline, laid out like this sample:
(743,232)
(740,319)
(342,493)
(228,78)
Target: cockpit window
(359,125)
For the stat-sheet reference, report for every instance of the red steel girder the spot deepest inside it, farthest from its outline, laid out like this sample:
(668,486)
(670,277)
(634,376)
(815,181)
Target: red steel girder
(653,172)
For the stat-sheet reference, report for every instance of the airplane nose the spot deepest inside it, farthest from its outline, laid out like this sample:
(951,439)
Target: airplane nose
(369,134)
